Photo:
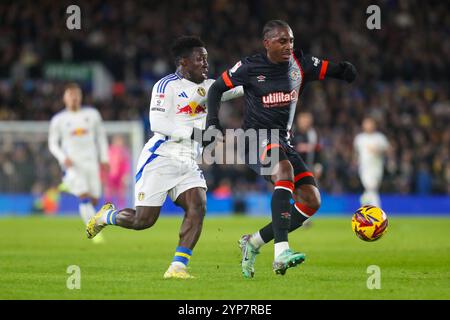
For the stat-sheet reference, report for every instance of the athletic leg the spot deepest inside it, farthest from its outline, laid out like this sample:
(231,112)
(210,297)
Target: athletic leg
(307,202)
(86,206)
(149,198)
(283,178)
(189,194)
(193,201)
(76,181)
(306,199)
(137,219)
(371,182)
(141,218)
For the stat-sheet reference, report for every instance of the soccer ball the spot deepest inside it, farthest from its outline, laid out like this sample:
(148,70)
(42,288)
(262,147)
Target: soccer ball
(369,223)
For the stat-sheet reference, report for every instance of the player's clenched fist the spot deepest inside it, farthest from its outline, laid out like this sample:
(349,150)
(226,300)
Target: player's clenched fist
(348,71)
(212,133)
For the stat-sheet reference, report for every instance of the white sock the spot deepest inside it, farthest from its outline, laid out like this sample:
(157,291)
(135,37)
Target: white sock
(376,199)
(104,217)
(84,212)
(280,247)
(256,240)
(371,197)
(178,264)
(87,211)
(364,199)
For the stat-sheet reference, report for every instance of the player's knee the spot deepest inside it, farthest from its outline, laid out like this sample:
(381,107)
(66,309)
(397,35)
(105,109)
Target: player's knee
(312,200)
(309,196)
(315,203)
(196,206)
(197,211)
(284,172)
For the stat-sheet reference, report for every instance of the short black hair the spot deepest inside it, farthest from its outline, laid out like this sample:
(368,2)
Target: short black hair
(273,24)
(182,47)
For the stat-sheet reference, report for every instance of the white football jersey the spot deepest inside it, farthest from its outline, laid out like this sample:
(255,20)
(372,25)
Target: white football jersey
(371,148)
(79,136)
(177,106)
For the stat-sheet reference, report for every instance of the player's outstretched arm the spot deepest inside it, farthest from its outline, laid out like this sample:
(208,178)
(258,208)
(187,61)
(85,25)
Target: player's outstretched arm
(229,81)
(319,69)
(343,70)
(213,126)
(215,93)
(234,93)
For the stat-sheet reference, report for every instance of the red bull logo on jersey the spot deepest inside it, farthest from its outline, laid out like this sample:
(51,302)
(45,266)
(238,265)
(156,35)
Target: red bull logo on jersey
(276,99)
(192,109)
(79,132)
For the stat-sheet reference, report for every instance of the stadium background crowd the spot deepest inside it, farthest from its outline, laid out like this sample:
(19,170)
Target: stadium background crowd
(403,78)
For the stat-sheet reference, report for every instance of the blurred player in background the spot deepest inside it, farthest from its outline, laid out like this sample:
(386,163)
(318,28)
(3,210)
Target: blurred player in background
(370,148)
(306,142)
(272,83)
(78,141)
(119,171)
(167,164)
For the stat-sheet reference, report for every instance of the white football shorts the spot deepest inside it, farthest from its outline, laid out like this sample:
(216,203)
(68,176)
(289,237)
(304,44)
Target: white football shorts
(159,176)
(83,180)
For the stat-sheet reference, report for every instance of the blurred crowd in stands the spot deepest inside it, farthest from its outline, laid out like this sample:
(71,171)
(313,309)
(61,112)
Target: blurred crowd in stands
(402,82)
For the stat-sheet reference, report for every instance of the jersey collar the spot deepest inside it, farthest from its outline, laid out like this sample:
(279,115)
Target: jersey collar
(178,75)
(278,65)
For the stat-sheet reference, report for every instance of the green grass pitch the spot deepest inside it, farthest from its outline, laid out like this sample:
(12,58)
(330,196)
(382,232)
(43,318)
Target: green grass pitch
(35,252)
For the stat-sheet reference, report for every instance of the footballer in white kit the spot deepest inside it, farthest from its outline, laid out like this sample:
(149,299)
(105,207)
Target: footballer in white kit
(77,139)
(371,147)
(169,157)
(167,165)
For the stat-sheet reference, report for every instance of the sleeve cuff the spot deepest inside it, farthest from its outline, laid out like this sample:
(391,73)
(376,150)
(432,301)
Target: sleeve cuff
(227,80)
(323,70)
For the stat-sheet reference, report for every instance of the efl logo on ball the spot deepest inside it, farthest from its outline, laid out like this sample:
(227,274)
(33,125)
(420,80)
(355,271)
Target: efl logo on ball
(369,223)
